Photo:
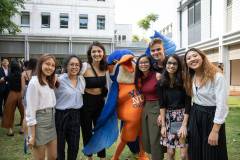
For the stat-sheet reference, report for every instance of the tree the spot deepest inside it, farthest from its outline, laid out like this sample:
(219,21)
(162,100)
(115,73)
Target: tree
(146,21)
(8,8)
(135,38)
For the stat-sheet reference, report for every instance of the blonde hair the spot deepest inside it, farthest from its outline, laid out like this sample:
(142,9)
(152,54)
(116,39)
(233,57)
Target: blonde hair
(208,70)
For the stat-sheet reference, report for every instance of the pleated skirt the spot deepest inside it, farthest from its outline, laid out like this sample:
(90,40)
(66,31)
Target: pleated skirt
(200,126)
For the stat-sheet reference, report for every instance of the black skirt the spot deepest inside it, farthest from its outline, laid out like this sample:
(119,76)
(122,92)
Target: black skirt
(200,126)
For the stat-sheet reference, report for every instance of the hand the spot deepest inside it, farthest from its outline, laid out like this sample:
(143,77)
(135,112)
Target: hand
(213,138)
(159,120)
(164,131)
(182,133)
(158,76)
(31,142)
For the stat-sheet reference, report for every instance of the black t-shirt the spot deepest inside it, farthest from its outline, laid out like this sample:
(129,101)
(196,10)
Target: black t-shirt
(174,98)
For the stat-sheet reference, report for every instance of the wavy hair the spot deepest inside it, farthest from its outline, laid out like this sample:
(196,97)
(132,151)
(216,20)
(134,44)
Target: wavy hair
(103,62)
(208,71)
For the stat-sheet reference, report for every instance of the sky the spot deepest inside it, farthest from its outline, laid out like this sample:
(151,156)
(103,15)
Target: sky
(131,11)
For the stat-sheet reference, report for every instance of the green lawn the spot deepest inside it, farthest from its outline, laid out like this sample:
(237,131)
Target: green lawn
(11,148)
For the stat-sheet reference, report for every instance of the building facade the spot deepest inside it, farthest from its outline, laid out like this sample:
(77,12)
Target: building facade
(214,27)
(60,27)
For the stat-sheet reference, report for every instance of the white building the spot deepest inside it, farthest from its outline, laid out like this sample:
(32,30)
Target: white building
(60,27)
(214,27)
(123,33)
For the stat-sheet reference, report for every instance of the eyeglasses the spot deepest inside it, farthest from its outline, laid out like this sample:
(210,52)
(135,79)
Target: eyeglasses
(173,63)
(157,49)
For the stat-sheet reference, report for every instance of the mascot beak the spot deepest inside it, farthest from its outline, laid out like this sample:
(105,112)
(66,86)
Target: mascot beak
(126,62)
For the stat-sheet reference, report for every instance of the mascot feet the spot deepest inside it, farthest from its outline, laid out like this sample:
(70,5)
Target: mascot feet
(143,156)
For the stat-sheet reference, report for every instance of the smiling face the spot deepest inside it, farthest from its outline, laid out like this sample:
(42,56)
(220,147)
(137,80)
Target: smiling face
(172,65)
(73,66)
(157,51)
(97,54)
(194,60)
(144,64)
(48,67)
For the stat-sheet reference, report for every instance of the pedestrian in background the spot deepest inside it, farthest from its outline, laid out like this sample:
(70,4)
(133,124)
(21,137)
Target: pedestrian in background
(14,98)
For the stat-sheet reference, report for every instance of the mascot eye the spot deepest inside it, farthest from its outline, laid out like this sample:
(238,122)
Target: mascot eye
(114,61)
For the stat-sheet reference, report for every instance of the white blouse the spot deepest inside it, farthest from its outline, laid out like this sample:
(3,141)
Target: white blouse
(38,97)
(213,94)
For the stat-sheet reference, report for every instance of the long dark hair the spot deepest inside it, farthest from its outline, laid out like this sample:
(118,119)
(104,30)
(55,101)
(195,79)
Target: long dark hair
(138,73)
(165,79)
(103,62)
(15,69)
(50,79)
(68,60)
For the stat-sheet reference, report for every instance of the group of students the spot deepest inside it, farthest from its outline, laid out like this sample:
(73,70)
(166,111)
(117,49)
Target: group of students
(184,104)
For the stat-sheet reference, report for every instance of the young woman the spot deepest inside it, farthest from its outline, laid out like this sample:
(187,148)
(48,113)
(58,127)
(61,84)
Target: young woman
(207,86)
(174,108)
(94,72)
(146,82)
(14,98)
(69,101)
(40,112)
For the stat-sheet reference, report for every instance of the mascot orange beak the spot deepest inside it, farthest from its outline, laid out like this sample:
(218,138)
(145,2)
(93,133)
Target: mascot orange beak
(126,63)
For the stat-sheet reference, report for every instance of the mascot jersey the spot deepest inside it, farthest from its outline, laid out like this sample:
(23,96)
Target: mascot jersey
(129,105)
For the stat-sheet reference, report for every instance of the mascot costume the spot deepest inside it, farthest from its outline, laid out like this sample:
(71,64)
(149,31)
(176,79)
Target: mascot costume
(123,102)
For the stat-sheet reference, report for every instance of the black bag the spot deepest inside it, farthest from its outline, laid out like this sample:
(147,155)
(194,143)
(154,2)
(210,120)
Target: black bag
(174,127)
(104,90)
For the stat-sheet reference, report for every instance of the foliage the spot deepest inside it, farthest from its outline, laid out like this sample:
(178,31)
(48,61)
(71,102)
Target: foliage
(146,21)
(8,8)
(135,38)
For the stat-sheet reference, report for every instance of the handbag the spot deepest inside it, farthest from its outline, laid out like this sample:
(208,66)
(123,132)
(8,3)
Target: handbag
(175,127)
(104,90)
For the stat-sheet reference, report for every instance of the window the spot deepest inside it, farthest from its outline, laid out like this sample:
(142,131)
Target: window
(124,37)
(101,22)
(194,13)
(119,37)
(25,19)
(83,21)
(45,20)
(194,22)
(63,20)
(229,3)
(191,15)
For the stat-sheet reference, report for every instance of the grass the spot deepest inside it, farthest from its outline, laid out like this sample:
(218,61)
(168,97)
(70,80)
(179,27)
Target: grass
(11,148)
